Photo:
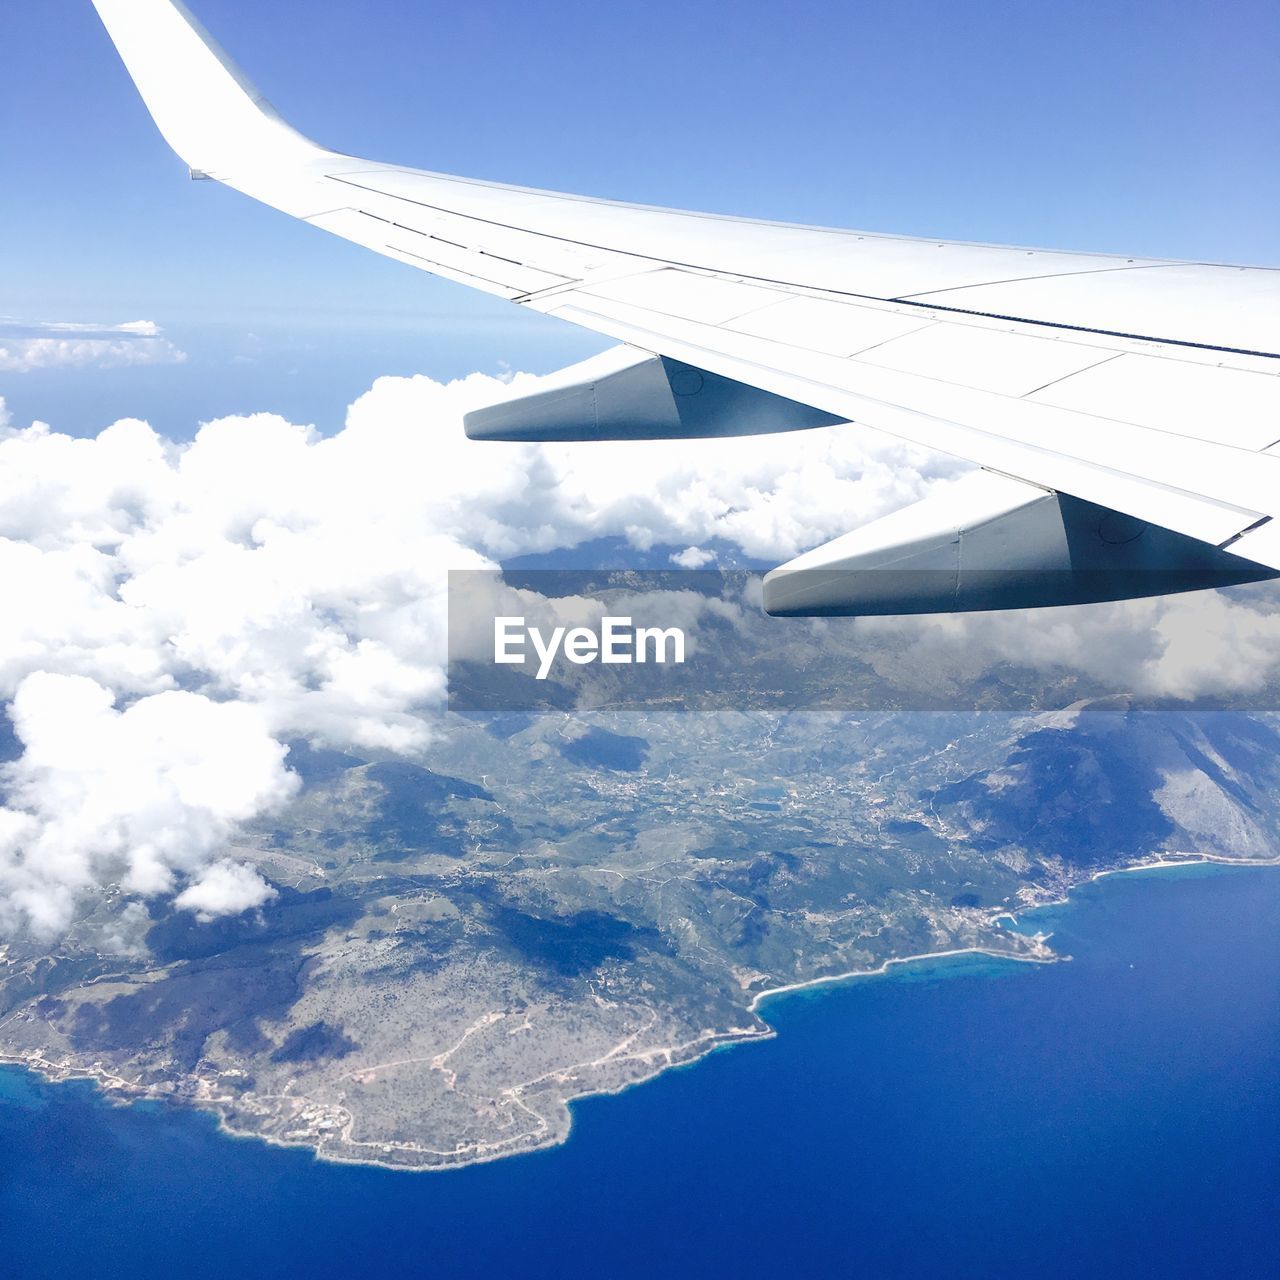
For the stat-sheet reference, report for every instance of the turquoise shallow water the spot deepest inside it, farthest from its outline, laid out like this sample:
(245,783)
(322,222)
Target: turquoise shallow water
(1115,1116)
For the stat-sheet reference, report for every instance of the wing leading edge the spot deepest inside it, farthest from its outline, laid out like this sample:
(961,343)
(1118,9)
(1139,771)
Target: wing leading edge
(1097,392)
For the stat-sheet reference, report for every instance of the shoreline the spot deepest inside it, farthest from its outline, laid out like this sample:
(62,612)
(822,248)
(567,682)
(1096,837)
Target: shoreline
(1166,863)
(1163,862)
(117,1091)
(881,970)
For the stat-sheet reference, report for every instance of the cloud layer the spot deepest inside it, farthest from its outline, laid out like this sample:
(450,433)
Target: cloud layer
(60,345)
(175,612)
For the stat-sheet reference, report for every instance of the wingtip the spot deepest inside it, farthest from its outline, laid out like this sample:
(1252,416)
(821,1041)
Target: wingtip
(208,111)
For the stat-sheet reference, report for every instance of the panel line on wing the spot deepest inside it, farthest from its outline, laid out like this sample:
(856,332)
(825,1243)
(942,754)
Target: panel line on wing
(561,279)
(445,269)
(1053,382)
(1084,328)
(1049,275)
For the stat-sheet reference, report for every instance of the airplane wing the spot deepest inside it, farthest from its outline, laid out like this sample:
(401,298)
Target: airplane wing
(1125,412)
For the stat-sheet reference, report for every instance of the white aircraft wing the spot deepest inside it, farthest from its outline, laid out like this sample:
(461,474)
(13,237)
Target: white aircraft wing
(1125,411)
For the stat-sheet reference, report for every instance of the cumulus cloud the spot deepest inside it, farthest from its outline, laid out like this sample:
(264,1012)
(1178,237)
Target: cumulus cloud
(226,888)
(141,799)
(60,345)
(692,558)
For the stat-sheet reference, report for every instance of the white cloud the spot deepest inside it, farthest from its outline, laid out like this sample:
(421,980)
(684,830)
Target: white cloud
(143,798)
(225,889)
(61,345)
(692,558)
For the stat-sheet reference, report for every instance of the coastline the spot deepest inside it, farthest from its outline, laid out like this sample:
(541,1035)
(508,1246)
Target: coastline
(1162,862)
(1166,863)
(1041,956)
(118,1091)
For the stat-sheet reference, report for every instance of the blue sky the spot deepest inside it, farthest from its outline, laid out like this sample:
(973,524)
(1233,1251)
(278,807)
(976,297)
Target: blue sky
(1136,127)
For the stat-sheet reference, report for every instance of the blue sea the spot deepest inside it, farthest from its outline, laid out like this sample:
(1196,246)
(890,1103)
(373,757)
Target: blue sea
(1117,1116)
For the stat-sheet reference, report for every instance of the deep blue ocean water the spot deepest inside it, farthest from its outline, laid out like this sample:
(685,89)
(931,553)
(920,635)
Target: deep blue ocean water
(1115,1116)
